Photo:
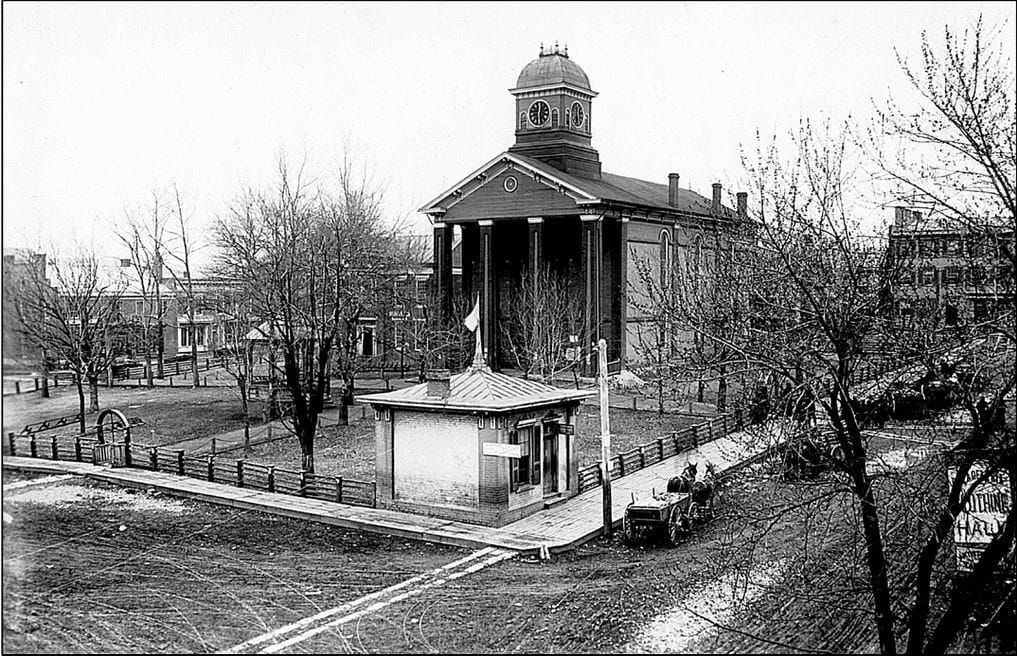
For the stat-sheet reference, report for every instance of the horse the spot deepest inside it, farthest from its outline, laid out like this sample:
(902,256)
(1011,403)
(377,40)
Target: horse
(703,488)
(683,482)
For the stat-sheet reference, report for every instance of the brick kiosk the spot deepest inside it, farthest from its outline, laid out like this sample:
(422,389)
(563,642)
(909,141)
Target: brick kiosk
(478,447)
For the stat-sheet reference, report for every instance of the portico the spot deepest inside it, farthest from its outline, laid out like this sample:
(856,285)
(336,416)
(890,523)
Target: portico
(545,203)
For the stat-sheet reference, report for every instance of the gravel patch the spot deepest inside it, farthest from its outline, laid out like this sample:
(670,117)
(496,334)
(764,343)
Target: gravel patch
(690,621)
(63,495)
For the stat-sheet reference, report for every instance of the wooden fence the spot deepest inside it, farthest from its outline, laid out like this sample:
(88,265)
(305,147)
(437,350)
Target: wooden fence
(662,448)
(239,473)
(170,369)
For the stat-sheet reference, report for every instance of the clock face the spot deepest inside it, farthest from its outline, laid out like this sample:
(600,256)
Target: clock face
(577,114)
(539,112)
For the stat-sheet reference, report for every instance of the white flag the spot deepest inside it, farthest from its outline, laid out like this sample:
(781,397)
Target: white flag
(473,320)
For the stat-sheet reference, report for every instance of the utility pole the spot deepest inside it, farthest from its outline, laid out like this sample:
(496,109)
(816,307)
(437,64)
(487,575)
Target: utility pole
(605,435)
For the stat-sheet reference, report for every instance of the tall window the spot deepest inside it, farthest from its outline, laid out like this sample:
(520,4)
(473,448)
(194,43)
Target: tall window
(554,118)
(666,255)
(525,471)
(522,120)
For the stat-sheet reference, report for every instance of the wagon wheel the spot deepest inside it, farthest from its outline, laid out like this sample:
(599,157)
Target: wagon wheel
(676,527)
(692,515)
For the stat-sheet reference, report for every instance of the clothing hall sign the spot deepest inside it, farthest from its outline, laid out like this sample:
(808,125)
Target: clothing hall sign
(984,514)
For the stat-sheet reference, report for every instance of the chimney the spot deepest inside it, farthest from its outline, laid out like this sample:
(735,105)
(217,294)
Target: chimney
(743,206)
(716,199)
(672,189)
(438,383)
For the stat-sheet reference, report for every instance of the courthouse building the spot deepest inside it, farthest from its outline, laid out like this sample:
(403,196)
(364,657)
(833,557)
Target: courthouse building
(547,203)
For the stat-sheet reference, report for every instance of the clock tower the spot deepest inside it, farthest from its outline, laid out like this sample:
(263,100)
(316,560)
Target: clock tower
(553,116)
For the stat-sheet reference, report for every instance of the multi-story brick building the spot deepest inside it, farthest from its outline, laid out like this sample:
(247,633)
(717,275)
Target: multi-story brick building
(963,275)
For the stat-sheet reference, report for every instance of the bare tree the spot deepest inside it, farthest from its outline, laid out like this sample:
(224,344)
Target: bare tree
(543,316)
(71,310)
(814,291)
(143,238)
(316,261)
(182,253)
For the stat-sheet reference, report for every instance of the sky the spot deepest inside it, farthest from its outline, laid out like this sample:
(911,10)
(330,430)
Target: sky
(105,103)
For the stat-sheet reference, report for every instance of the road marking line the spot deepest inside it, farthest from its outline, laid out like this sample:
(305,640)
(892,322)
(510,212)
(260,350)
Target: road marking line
(272,634)
(498,556)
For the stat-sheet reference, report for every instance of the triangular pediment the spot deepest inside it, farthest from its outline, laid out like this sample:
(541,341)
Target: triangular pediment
(510,186)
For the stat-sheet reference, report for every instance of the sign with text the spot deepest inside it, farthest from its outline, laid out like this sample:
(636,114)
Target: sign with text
(504,450)
(984,514)
(563,429)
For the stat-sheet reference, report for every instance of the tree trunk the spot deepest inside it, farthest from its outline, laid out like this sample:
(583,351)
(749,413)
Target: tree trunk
(722,389)
(93,393)
(242,384)
(307,449)
(344,407)
(81,403)
(45,377)
(148,365)
(160,351)
(195,380)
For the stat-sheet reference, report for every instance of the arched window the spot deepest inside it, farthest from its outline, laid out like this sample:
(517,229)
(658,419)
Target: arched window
(568,118)
(522,120)
(666,257)
(587,123)
(554,118)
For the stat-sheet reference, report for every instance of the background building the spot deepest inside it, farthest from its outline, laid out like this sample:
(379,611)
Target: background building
(961,274)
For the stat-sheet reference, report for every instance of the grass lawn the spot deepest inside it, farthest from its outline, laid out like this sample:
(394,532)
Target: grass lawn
(177,413)
(346,451)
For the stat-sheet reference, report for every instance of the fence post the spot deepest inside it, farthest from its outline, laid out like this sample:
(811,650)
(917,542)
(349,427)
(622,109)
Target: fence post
(154,459)
(660,447)
(56,455)
(303,484)
(211,469)
(12,443)
(31,446)
(77,449)
(55,381)
(635,405)
(642,458)
(171,381)
(36,384)
(339,490)
(127,450)
(621,465)
(240,473)
(17,387)
(176,365)
(180,462)
(206,363)
(271,479)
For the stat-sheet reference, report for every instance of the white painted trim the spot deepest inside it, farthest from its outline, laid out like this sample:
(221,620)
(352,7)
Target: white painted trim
(523,91)
(535,220)
(485,223)
(511,162)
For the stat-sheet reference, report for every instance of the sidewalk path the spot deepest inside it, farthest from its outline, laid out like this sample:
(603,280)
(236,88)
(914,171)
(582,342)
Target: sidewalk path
(553,530)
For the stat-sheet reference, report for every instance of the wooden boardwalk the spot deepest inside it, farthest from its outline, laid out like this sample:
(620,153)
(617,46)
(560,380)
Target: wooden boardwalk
(553,530)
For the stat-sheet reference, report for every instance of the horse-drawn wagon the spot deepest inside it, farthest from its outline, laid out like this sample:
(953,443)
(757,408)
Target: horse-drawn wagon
(688,501)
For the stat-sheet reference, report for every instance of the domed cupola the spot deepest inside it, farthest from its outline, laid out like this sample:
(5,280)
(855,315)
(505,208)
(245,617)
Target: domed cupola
(553,113)
(553,68)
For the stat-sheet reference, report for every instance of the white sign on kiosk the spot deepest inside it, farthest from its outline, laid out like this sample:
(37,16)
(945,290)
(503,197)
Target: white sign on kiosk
(502,449)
